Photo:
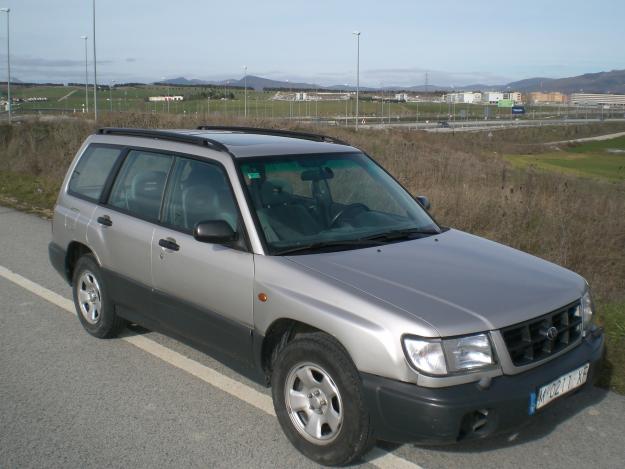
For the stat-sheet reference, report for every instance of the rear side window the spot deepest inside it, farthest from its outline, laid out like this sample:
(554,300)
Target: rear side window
(139,186)
(92,170)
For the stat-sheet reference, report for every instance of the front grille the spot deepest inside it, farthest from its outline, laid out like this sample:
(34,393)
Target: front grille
(529,341)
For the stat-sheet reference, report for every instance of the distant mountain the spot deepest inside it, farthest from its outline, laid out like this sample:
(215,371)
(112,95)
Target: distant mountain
(260,83)
(602,82)
(530,84)
(473,87)
(183,82)
(253,82)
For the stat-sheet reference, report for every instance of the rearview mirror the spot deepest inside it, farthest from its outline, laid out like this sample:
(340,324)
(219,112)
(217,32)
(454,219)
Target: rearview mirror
(317,174)
(424,201)
(214,232)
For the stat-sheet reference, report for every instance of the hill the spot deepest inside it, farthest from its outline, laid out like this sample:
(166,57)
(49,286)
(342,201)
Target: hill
(602,82)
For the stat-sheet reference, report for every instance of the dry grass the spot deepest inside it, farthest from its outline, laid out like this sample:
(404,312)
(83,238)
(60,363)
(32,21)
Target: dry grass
(574,222)
(577,223)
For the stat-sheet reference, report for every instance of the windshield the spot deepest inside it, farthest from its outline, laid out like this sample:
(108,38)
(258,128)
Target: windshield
(309,202)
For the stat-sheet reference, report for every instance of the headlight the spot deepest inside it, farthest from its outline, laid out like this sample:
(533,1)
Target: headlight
(470,352)
(426,356)
(441,357)
(587,310)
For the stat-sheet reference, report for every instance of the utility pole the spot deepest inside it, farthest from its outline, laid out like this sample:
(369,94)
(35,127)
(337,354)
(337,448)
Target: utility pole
(86,75)
(245,92)
(95,71)
(9,103)
(357,34)
(111,95)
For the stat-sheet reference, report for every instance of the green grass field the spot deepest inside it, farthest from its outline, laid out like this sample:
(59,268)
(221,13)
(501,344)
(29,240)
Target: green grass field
(612,318)
(260,105)
(601,160)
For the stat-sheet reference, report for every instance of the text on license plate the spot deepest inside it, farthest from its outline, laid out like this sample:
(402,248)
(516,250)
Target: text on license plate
(558,387)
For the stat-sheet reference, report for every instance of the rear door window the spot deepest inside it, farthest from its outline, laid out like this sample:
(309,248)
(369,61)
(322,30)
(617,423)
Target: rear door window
(91,172)
(140,184)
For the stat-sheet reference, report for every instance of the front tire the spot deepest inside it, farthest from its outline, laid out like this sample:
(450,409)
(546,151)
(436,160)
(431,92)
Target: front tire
(319,401)
(95,311)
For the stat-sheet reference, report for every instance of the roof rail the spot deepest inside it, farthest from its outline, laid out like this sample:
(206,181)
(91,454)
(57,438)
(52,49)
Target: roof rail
(276,132)
(165,135)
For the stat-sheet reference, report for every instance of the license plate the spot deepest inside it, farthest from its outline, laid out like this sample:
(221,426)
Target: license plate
(558,387)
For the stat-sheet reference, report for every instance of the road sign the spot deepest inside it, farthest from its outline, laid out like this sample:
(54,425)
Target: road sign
(518,110)
(505,103)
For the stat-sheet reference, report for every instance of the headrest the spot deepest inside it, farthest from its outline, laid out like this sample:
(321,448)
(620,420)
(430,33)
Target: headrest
(205,174)
(275,192)
(317,174)
(148,184)
(199,194)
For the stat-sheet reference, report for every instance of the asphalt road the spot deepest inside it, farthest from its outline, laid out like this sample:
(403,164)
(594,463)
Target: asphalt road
(460,125)
(70,400)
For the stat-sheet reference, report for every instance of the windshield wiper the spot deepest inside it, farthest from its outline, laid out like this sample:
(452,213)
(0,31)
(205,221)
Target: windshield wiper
(378,239)
(361,242)
(394,235)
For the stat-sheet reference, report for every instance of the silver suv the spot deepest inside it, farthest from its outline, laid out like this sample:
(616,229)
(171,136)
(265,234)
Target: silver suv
(299,261)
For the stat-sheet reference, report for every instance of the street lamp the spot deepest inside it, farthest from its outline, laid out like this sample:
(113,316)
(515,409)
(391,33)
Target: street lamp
(357,34)
(111,95)
(290,101)
(245,81)
(166,97)
(9,104)
(86,76)
(95,71)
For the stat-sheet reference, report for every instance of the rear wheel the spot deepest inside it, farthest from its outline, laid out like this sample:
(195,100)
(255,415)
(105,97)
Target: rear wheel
(95,311)
(318,398)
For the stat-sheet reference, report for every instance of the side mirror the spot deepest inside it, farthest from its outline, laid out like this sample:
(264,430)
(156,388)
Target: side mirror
(423,201)
(214,232)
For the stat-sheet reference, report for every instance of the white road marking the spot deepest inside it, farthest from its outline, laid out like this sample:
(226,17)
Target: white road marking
(38,290)
(590,139)
(203,372)
(377,456)
(385,460)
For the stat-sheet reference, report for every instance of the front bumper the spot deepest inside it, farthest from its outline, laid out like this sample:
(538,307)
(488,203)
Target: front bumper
(404,412)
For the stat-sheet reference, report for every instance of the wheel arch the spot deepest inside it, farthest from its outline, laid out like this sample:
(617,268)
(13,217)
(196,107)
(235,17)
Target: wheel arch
(75,250)
(279,333)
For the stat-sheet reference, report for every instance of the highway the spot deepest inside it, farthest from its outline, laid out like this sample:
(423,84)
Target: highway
(146,401)
(478,125)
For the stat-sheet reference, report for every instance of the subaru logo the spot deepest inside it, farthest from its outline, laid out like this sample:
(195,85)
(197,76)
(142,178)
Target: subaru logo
(552,333)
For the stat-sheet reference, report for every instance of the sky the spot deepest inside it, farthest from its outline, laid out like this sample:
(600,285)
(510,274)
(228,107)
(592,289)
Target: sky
(458,42)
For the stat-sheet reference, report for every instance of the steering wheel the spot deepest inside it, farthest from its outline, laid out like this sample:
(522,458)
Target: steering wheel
(350,209)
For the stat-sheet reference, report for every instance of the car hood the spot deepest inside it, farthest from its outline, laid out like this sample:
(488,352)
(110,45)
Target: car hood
(456,282)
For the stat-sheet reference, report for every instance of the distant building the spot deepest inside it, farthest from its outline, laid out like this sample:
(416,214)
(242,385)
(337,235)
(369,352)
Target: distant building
(468,97)
(491,97)
(515,96)
(165,98)
(598,99)
(403,97)
(311,96)
(538,97)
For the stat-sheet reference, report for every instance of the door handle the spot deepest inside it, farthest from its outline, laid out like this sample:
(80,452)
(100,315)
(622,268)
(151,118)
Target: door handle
(105,220)
(169,244)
